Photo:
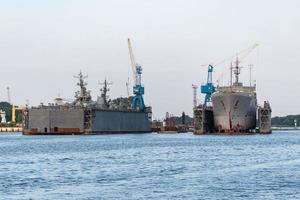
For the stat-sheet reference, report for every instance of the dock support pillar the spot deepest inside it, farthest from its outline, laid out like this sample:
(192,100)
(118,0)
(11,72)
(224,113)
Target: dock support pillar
(264,118)
(203,120)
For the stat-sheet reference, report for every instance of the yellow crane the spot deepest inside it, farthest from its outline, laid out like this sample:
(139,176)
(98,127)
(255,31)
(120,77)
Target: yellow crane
(14,110)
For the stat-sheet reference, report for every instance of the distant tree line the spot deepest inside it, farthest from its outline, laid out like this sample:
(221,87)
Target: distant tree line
(288,121)
(285,121)
(187,119)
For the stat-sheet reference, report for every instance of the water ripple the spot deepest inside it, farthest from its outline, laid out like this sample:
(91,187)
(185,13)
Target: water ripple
(150,166)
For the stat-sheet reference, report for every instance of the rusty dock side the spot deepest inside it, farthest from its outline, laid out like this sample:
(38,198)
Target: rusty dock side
(203,120)
(264,118)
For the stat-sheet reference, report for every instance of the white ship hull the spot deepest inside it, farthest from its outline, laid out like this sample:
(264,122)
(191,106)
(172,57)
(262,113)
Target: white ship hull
(234,111)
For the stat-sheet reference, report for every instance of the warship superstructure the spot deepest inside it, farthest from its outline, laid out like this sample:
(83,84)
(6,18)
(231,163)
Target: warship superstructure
(235,106)
(85,116)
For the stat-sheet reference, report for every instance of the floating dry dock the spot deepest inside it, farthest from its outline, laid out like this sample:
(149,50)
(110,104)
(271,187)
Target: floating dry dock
(233,108)
(204,122)
(84,116)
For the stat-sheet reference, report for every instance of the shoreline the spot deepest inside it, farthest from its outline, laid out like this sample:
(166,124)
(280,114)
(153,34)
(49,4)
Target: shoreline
(11,129)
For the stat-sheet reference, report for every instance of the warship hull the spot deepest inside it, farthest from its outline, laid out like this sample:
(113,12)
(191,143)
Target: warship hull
(59,121)
(234,111)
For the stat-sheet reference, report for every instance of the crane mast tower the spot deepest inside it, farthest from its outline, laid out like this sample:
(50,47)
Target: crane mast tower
(208,89)
(138,89)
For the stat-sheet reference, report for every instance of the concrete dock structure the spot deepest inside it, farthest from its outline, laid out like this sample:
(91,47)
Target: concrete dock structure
(203,120)
(264,118)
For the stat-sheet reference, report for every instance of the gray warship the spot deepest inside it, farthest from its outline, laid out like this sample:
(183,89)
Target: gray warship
(85,116)
(235,106)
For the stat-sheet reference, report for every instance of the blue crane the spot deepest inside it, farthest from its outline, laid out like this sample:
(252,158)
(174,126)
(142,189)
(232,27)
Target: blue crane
(208,89)
(138,89)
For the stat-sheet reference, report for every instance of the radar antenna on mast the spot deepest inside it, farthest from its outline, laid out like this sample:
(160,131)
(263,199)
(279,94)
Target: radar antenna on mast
(83,96)
(104,91)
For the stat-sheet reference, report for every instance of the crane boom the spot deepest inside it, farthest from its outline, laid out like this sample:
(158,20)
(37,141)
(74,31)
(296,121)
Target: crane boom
(132,60)
(241,54)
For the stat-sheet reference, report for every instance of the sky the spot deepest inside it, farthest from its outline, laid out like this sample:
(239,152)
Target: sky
(43,44)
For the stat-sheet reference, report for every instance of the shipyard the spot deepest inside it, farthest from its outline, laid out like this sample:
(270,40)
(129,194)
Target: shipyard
(134,100)
(231,109)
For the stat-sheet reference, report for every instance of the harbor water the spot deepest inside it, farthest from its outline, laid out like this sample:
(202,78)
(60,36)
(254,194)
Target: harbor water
(150,166)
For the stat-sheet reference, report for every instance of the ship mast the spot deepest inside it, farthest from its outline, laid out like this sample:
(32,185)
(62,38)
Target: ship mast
(237,71)
(104,91)
(250,71)
(231,74)
(83,96)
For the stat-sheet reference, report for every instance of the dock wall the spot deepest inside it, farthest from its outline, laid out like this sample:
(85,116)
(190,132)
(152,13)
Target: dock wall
(203,120)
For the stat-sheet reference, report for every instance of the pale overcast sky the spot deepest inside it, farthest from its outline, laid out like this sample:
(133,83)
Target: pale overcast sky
(44,43)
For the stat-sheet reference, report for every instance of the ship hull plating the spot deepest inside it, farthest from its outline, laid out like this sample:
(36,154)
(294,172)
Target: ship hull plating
(234,111)
(54,121)
(120,122)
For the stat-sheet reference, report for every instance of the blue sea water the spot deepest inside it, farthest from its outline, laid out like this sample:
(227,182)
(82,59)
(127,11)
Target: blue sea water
(150,166)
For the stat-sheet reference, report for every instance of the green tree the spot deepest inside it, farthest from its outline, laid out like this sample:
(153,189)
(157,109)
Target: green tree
(122,102)
(285,121)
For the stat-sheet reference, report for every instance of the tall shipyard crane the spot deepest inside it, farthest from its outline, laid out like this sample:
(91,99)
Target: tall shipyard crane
(208,89)
(138,89)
